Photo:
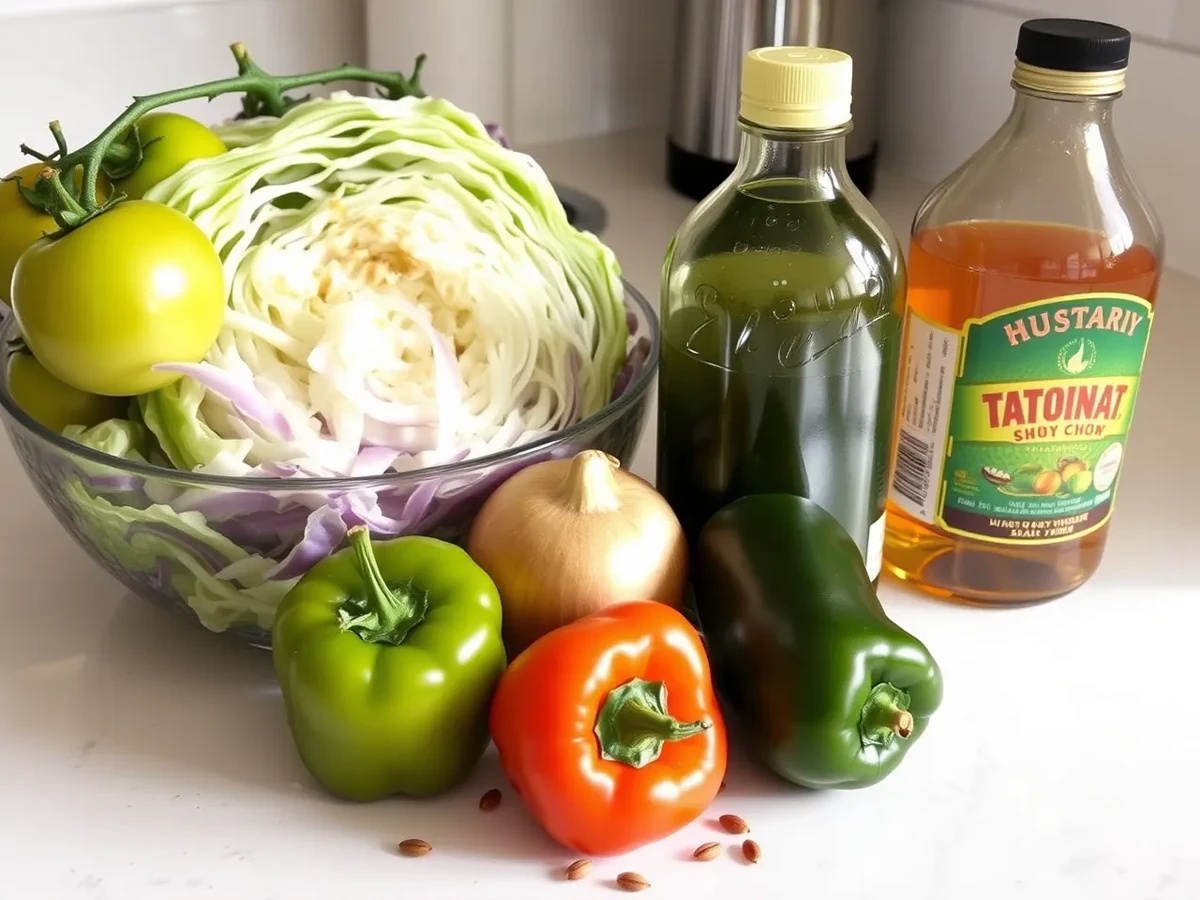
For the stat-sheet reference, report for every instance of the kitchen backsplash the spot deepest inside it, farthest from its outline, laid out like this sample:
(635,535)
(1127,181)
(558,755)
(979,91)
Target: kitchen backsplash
(558,69)
(82,62)
(947,90)
(545,69)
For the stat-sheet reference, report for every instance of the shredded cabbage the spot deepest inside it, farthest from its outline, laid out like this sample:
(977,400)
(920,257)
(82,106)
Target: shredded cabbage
(403,291)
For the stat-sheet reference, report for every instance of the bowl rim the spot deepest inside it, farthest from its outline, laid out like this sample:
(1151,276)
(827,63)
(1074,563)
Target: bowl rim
(637,387)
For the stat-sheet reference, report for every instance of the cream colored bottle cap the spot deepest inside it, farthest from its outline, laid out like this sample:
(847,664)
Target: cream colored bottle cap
(796,87)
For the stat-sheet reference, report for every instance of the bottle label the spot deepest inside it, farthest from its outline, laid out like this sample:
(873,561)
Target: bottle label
(1013,429)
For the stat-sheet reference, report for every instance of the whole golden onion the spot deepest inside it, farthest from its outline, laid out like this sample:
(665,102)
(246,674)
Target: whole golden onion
(566,537)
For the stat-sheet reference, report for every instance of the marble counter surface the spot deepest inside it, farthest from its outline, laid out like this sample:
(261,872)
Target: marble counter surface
(141,758)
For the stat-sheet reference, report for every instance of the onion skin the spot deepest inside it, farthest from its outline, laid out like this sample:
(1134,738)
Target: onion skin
(566,537)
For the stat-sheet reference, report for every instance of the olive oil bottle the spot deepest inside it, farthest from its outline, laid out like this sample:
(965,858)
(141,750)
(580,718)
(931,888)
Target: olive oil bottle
(1034,270)
(782,298)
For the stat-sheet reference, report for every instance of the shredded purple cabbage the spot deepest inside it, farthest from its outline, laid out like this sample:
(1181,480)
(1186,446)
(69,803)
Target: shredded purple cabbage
(362,508)
(634,363)
(496,133)
(159,577)
(268,532)
(165,532)
(411,508)
(245,397)
(323,533)
(373,460)
(295,527)
(115,483)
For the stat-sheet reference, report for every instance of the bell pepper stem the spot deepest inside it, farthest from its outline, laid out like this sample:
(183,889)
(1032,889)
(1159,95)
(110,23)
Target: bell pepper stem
(633,724)
(384,613)
(885,716)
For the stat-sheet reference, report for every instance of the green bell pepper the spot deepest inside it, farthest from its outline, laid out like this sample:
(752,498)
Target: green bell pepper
(387,655)
(830,691)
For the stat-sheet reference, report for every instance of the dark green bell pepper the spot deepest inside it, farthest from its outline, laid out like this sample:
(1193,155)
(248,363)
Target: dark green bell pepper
(830,692)
(387,655)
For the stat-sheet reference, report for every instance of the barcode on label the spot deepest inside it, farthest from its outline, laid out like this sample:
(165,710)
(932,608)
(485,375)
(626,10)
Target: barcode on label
(914,468)
(926,392)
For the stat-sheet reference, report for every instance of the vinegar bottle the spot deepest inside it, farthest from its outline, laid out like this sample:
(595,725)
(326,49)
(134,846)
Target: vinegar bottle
(782,301)
(1033,272)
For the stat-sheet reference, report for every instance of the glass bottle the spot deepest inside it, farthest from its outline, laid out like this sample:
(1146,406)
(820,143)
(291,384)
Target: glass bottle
(1033,272)
(782,299)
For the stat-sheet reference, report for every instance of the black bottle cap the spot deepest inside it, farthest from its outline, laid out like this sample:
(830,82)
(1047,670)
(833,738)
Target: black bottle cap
(1073,45)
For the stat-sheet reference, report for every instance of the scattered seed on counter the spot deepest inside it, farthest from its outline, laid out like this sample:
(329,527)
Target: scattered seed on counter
(632,881)
(415,847)
(490,800)
(734,824)
(578,869)
(751,851)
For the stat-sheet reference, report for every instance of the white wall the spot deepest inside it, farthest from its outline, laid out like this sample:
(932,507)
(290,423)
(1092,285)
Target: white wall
(544,69)
(949,63)
(83,62)
(557,69)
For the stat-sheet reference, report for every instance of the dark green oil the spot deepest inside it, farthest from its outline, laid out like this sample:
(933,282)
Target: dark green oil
(781,323)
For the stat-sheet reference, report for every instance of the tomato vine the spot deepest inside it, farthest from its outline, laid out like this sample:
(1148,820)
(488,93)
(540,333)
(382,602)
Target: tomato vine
(116,151)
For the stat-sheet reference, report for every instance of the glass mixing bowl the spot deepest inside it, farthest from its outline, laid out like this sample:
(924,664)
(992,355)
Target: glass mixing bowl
(223,551)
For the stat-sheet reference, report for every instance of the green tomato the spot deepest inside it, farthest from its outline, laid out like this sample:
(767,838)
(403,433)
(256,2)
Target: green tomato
(169,142)
(21,224)
(53,403)
(136,286)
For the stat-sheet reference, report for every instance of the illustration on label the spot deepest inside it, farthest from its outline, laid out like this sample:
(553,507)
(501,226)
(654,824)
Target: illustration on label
(1026,444)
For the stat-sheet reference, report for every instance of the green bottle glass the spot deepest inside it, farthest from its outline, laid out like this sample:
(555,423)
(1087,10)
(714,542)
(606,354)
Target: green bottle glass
(782,302)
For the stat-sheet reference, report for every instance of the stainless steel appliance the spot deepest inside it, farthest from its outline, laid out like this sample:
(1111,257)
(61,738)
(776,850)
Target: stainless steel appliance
(712,38)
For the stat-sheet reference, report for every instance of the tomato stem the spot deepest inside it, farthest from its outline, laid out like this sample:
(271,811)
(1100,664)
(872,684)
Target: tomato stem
(61,194)
(60,139)
(41,157)
(265,95)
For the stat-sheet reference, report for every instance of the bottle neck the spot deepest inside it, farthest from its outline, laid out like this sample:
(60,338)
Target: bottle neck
(817,158)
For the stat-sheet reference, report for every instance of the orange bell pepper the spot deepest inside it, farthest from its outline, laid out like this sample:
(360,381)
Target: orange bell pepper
(582,724)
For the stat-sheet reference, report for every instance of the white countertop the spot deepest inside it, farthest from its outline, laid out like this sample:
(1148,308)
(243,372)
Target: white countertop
(142,758)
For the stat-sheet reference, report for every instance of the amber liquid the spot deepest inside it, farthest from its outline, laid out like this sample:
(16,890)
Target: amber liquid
(969,269)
